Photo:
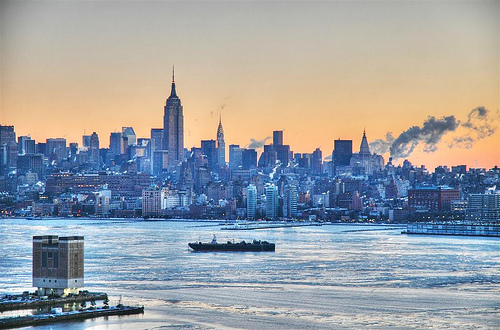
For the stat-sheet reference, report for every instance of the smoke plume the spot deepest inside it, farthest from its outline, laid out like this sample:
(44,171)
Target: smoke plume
(430,134)
(257,144)
(480,124)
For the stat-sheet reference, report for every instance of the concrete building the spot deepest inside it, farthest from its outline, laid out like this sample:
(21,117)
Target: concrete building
(432,198)
(58,264)
(484,207)
(290,200)
(271,201)
(154,200)
(251,201)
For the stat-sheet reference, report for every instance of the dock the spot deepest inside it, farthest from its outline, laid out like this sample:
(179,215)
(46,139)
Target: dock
(453,229)
(14,302)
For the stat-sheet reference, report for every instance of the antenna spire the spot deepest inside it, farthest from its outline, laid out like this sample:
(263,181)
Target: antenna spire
(173,73)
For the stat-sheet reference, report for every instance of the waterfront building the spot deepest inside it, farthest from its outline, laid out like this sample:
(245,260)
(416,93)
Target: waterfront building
(251,201)
(484,207)
(271,201)
(221,145)
(173,126)
(154,200)
(432,198)
(58,264)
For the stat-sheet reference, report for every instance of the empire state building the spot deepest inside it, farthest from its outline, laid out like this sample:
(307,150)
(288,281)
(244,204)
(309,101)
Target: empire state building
(173,127)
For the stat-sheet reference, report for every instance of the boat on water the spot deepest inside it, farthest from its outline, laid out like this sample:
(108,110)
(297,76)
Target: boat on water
(255,246)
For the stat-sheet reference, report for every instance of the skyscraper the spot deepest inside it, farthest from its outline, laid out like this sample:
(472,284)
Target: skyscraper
(342,152)
(173,126)
(94,151)
(290,201)
(271,201)
(235,156)
(115,143)
(221,145)
(251,201)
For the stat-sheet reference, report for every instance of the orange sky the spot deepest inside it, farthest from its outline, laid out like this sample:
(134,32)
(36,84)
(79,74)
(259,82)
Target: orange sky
(318,71)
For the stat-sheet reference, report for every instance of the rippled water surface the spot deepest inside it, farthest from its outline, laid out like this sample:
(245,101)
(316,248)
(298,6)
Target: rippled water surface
(333,276)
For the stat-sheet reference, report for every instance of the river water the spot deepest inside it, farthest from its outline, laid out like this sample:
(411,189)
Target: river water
(320,277)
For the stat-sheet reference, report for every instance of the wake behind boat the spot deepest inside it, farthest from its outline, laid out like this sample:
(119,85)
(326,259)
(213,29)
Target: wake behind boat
(255,246)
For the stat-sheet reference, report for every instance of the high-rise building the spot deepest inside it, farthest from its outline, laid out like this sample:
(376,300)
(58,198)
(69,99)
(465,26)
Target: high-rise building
(235,156)
(342,152)
(484,207)
(317,162)
(86,141)
(94,151)
(56,149)
(58,264)
(290,199)
(173,127)
(25,145)
(209,149)
(221,145)
(251,201)
(128,137)
(249,159)
(271,201)
(277,138)
(115,143)
(8,149)
(154,200)
(156,139)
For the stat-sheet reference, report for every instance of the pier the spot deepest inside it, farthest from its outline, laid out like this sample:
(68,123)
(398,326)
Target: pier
(35,320)
(453,229)
(14,302)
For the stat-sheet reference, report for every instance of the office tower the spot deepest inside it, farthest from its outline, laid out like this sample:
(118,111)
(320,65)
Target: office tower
(25,145)
(154,200)
(128,137)
(484,207)
(58,264)
(364,148)
(56,149)
(8,149)
(249,159)
(251,201)
(317,162)
(342,152)
(290,201)
(94,151)
(173,127)
(235,156)
(30,163)
(73,151)
(160,161)
(115,143)
(221,145)
(86,141)
(271,201)
(157,139)
(208,149)
(277,138)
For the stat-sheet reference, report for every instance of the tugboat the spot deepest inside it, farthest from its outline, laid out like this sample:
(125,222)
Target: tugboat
(255,246)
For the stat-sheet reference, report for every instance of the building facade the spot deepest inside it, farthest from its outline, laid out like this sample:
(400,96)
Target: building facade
(58,264)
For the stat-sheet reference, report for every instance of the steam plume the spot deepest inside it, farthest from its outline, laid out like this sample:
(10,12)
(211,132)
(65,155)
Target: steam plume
(257,144)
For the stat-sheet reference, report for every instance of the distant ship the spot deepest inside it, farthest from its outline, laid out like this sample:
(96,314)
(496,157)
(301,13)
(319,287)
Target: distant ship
(255,246)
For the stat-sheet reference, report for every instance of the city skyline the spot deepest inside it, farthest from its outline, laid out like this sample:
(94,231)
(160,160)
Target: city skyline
(304,68)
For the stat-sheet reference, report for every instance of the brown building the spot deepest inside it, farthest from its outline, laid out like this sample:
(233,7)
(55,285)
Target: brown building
(58,264)
(432,198)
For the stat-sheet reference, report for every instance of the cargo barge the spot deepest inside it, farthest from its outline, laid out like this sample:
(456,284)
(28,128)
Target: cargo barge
(13,302)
